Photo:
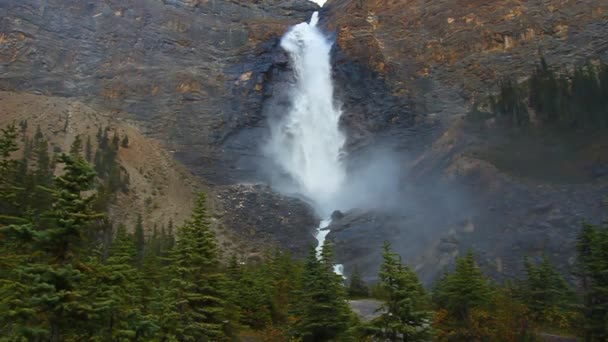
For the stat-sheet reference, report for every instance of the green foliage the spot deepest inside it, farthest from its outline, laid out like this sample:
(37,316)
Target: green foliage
(76,147)
(46,293)
(577,99)
(461,293)
(511,104)
(140,239)
(117,293)
(321,312)
(125,141)
(592,250)
(199,285)
(88,150)
(356,285)
(464,289)
(405,315)
(9,188)
(106,165)
(546,293)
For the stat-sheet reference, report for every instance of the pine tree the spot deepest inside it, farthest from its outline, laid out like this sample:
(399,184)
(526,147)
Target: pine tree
(170,238)
(48,295)
(117,290)
(115,142)
(76,147)
(592,252)
(405,316)
(9,191)
(323,310)
(462,295)
(199,285)
(125,142)
(140,240)
(254,297)
(545,291)
(356,286)
(43,173)
(88,150)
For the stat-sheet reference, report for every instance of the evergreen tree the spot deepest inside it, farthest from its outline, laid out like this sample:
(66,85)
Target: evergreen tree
(199,285)
(88,150)
(115,142)
(48,295)
(511,104)
(254,297)
(545,292)
(140,240)
(356,286)
(43,173)
(323,311)
(405,316)
(592,251)
(118,294)
(125,142)
(76,147)
(170,238)
(9,191)
(460,296)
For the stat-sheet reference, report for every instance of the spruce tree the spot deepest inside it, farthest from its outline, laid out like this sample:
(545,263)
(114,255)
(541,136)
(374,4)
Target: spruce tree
(140,240)
(405,315)
(88,150)
(323,309)
(545,291)
(76,147)
(592,252)
(254,297)
(356,286)
(198,283)
(48,295)
(125,142)
(118,294)
(460,294)
(9,189)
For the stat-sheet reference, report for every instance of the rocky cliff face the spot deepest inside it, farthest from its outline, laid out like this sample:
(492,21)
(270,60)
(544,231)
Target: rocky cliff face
(174,66)
(443,56)
(189,73)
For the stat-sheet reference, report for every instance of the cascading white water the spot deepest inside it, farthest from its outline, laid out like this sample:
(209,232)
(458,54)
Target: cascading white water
(319,2)
(307,143)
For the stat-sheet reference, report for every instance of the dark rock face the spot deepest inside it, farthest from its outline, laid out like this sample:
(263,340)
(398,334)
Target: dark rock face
(442,57)
(175,66)
(260,219)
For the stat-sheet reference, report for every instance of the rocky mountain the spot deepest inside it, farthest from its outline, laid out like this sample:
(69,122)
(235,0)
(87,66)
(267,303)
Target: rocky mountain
(199,78)
(445,56)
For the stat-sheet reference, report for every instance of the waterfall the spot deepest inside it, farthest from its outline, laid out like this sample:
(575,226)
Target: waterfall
(307,143)
(319,2)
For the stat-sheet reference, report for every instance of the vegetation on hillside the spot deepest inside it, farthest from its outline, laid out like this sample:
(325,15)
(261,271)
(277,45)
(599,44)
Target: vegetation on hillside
(67,273)
(575,99)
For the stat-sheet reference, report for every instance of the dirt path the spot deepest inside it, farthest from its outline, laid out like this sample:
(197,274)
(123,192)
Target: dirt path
(366,309)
